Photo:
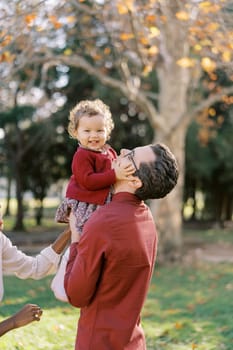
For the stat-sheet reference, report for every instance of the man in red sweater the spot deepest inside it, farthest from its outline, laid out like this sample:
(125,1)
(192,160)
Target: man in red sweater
(110,267)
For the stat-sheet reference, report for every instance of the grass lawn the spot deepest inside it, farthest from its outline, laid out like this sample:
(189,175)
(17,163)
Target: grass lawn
(186,309)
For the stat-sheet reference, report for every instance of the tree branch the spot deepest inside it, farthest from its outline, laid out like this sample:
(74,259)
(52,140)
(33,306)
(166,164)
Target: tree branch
(139,97)
(192,112)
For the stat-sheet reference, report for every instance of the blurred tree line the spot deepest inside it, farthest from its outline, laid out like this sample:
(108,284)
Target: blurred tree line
(36,153)
(165,69)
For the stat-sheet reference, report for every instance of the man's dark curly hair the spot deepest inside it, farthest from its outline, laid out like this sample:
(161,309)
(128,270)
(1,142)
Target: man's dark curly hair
(158,177)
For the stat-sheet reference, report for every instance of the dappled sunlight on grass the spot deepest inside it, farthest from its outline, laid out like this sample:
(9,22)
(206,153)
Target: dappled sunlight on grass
(186,309)
(190,308)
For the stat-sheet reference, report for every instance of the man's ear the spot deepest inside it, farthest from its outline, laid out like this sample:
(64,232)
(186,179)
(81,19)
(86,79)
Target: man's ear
(136,183)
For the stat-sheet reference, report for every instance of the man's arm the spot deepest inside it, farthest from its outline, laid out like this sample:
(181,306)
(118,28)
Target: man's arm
(85,263)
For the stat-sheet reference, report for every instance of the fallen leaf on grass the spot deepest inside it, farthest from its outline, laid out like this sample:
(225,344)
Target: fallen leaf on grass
(172,311)
(179,325)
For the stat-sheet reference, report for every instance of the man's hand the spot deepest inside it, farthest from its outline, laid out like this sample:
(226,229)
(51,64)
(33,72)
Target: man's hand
(75,235)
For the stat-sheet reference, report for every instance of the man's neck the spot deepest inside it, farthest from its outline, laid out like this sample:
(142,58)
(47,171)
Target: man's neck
(122,186)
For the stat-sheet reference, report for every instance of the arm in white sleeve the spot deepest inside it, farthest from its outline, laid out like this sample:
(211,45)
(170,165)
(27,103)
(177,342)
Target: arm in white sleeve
(24,266)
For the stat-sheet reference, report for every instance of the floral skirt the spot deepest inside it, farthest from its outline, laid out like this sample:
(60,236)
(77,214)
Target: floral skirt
(81,210)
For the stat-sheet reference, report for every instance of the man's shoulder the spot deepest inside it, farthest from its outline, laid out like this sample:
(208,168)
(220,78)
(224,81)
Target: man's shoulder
(101,215)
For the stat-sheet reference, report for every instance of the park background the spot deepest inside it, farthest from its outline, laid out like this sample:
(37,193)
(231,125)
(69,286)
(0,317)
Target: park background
(165,70)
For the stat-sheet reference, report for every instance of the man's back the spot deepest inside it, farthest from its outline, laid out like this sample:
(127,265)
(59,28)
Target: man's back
(115,262)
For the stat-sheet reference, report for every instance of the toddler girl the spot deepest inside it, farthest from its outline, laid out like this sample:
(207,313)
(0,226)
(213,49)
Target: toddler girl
(94,170)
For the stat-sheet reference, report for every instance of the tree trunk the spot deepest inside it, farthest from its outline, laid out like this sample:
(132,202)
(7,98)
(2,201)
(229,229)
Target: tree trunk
(39,212)
(168,211)
(173,87)
(228,213)
(18,178)
(19,226)
(8,196)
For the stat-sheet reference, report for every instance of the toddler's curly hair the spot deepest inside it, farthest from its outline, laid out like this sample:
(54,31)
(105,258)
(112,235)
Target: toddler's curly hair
(90,108)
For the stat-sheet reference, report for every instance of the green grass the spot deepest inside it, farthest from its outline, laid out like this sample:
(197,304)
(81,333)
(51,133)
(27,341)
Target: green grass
(186,309)
(57,327)
(190,308)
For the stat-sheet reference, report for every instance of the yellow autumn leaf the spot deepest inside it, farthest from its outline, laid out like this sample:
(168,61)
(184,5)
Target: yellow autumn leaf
(197,47)
(154,31)
(55,22)
(212,27)
(206,42)
(179,325)
(153,50)
(107,50)
(172,311)
(208,7)
(6,40)
(122,9)
(30,18)
(226,56)
(126,36)
(212,112)
(227,99)
(147,69)
(144,41)
(205,4)
(6,57)
(70,19)
(207,64)
(68,52)
(182,15)
(57,25)
(150,18)
(186,62)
